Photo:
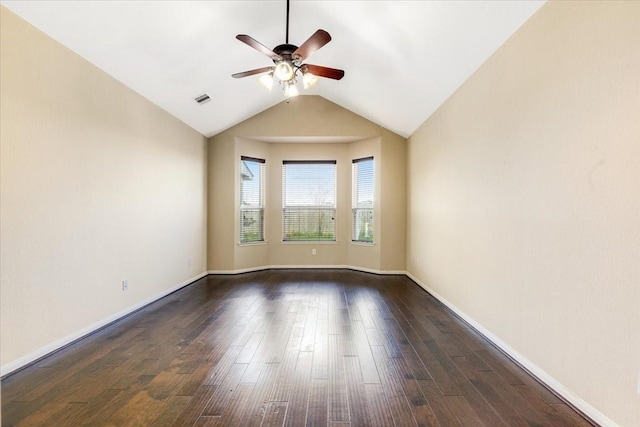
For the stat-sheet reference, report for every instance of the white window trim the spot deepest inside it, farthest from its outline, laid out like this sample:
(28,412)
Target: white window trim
(373,209)
(262,206)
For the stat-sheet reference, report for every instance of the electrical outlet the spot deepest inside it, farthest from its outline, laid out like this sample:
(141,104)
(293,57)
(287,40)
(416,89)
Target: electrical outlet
(313,251)
(125,285)
(189,262)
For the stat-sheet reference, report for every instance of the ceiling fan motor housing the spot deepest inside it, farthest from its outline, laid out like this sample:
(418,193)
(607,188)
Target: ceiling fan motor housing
(286,52)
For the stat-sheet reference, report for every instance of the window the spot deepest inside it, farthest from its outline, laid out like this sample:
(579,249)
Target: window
(251,200)
(309,200)
(362,200)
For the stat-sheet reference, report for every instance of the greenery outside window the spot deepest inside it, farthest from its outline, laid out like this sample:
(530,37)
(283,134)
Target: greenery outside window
(309,200)
(251,200)
(362,200)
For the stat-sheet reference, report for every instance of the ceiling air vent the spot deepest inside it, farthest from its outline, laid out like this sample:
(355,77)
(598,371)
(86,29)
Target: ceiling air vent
(203,99)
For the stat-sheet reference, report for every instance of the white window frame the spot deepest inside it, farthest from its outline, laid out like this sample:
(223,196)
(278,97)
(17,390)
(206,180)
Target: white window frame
(254,212)
(362,213)
(299,217)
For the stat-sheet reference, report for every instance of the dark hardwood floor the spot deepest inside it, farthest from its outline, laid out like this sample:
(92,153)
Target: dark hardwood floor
(284,347)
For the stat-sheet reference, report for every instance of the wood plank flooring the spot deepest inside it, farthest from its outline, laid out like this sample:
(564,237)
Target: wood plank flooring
(284,348)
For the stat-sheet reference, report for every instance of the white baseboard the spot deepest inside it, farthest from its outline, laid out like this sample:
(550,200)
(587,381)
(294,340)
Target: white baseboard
(57,345)
(239,270)
(307,267)
(533,369)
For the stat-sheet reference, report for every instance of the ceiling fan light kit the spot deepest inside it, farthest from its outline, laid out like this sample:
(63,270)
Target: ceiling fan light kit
(290,89)
(284,71)
(288,62)
(308,79)
(266,80)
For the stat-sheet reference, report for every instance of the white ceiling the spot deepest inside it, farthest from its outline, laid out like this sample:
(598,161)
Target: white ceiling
(402,59)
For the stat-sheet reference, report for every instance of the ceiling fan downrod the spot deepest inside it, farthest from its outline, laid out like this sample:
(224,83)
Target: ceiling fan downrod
(286,38)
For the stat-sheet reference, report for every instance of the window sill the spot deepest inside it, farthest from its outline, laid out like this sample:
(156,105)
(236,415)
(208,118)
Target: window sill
(309,242)
(264,242)
(353,242)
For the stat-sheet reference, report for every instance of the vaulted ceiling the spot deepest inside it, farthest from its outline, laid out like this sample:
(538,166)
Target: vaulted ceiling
(402,59)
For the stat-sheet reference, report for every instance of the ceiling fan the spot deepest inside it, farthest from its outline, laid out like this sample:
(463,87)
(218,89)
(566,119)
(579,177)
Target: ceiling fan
(288,62)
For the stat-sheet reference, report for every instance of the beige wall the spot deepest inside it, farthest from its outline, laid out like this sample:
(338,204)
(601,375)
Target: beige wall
(220,200)
(98,185)
(393,228)
(524,200)
(291,131)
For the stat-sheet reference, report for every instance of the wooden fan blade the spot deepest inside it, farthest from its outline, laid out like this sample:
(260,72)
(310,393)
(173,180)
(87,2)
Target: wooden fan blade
(252,72)
(330,73)
(258,46)
(313,43)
